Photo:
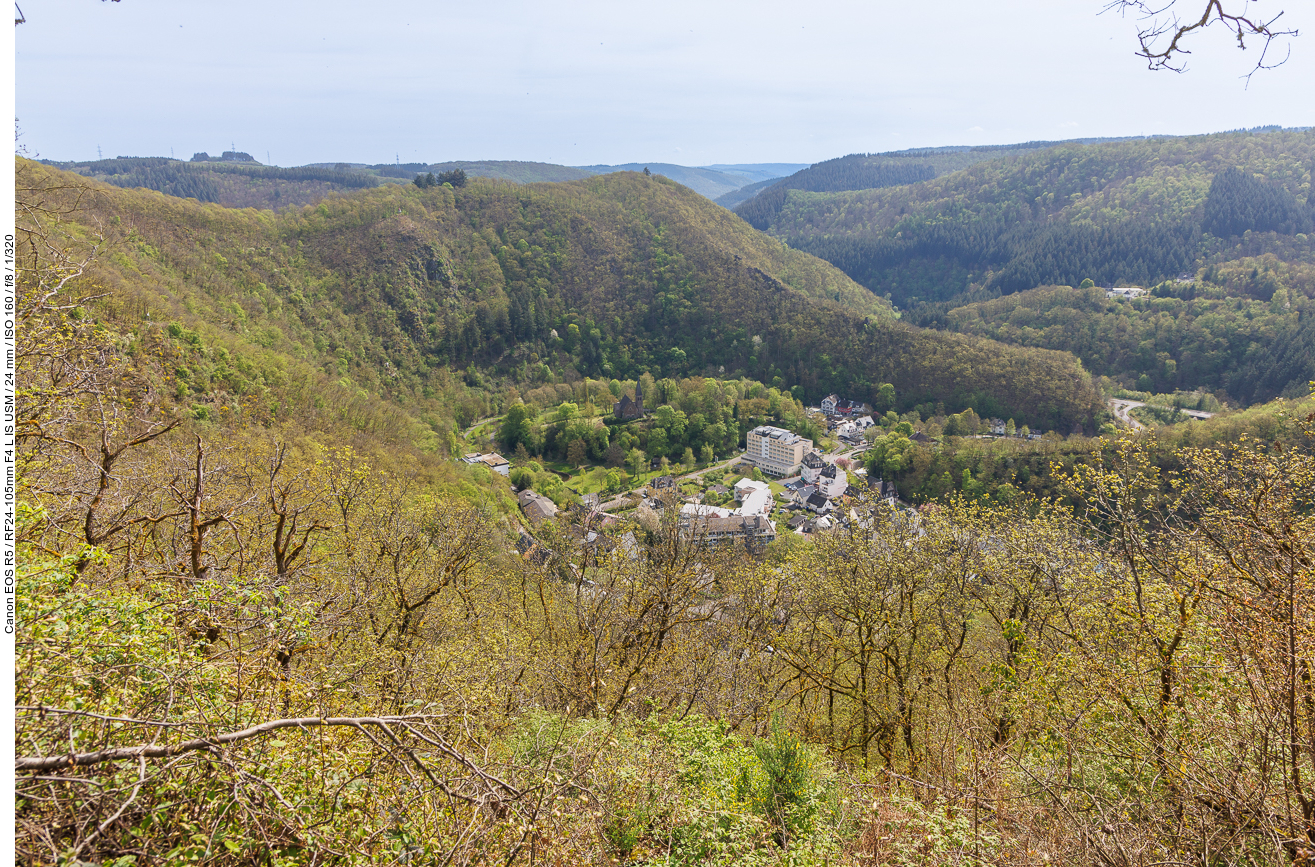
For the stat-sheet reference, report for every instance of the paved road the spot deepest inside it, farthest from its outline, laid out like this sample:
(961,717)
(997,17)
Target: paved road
(484,420)
(624,499)
(1121,409)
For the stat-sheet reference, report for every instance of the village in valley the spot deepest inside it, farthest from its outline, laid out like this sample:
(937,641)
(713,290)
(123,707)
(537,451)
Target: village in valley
(781,483)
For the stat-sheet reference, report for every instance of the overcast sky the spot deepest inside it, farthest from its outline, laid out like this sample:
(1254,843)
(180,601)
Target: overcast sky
(590,82)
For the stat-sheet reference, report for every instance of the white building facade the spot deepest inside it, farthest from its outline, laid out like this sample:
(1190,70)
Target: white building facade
(775,450)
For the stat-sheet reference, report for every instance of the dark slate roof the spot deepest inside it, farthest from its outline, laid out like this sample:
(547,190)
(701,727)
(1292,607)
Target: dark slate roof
(734,523)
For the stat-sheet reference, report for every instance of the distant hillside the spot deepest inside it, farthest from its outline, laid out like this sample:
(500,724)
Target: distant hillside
(506,170)
(236,184)
(743,194)
(1133,211)
(875,171)
(1245,327)
(757,172)
(706,182)
(245,183)
(391,289)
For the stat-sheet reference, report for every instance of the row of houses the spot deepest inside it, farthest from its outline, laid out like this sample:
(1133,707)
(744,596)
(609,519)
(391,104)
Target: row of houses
(834,404)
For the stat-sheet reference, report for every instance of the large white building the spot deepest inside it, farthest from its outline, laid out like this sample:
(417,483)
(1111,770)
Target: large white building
(775,450)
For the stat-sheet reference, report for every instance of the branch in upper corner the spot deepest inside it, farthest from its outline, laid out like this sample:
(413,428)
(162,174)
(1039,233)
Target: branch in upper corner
(1161,38)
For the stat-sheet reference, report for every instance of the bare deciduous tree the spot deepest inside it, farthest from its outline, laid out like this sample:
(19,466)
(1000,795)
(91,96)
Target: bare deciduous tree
(1162,31)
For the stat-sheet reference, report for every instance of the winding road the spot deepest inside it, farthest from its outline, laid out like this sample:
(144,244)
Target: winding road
(1122,411)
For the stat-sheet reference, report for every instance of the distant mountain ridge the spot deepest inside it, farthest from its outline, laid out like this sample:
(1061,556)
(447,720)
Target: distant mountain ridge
(707,182)
(248,183)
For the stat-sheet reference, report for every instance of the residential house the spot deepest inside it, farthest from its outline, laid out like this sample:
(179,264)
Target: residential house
(1125,293)
(663,483)
(921,438)
(755,531)
(818,503)
(812,464)
(883,490)
(531,551)
(758,502)
(834,404)
(832,481)
(697,509)
(536,506)
(775,450)
(745,487)
(997,426)
(492,460)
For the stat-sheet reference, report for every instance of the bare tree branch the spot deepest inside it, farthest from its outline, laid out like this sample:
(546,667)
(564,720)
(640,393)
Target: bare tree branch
(152,751)
(1162,34)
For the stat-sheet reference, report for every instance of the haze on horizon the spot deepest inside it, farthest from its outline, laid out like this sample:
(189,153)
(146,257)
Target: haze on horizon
(597,83)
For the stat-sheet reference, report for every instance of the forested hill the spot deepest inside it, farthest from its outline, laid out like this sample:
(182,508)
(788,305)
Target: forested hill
(1245,328)
(613,276)
(709,182)
(237,184)
(761,203)
(1134,211)
(245,183)
(519,171)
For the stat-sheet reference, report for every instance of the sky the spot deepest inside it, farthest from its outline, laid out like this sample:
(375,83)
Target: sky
(583,83)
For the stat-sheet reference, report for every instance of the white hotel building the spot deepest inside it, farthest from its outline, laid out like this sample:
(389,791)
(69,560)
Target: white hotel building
(775,450)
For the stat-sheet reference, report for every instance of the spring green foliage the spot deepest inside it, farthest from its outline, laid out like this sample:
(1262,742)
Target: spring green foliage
(390,290)
(695,413)
(281,632)
(1132,212)
(1002,468)
(1242,328)
(866,172)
